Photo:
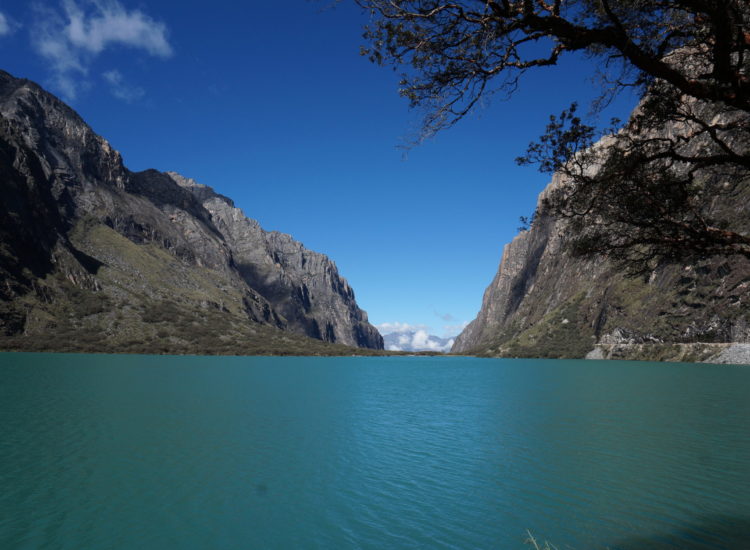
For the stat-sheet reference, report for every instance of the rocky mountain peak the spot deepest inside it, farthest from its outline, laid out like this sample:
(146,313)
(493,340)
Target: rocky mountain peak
(67,147)
(306,287)
(200,191)
(546,302)
(79,231)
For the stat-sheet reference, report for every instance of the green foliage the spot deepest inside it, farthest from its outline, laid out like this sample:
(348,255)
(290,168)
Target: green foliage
(162,312)
(85,302)
(563,333)
(164,327)
(141,300)
(678,313)
(12,319)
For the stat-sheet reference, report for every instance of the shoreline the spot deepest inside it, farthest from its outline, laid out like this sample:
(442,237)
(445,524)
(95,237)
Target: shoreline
(728,354)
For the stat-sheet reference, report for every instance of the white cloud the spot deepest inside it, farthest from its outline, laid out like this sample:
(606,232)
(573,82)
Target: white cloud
(4,25)
(8,25)
(418,337)
(70,39)
(387,328)
(110,23)
(120,89)
(421,341)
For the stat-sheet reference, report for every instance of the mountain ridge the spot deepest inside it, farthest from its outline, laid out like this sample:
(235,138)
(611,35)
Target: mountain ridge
(544,301)
(79,228)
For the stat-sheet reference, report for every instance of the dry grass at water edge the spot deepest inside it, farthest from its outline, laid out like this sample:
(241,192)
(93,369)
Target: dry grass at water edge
(536,545)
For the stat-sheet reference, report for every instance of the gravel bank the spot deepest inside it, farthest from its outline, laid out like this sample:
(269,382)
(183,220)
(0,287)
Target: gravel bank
(737,354)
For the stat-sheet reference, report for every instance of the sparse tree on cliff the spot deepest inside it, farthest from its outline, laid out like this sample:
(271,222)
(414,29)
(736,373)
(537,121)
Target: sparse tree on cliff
(644,193)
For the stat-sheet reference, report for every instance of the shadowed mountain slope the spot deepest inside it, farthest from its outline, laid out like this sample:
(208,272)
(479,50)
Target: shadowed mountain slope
(98,258)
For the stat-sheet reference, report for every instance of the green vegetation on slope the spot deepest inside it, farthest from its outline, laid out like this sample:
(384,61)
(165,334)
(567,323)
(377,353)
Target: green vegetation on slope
(559,334)
(142,299)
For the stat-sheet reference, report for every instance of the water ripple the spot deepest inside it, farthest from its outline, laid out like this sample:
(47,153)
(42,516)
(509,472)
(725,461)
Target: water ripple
(188,452)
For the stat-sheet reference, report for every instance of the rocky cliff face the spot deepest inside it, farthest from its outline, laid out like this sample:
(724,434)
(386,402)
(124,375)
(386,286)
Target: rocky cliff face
(545,302)
(89,248)
(304,286)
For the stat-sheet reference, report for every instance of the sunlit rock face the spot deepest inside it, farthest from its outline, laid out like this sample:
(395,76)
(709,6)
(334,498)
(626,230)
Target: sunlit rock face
(304,286)
(545,302)
(87,245)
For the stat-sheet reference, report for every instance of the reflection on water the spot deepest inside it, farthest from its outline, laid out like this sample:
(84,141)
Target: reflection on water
(199,452)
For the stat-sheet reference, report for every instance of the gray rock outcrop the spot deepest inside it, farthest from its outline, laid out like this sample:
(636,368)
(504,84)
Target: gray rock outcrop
(304,286)
(84,242)
(546,302)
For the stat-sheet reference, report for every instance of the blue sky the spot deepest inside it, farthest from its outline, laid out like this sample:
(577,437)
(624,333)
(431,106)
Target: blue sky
(271,104)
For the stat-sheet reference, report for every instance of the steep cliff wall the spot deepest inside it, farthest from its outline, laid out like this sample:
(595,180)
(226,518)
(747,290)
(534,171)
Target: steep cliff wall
(93,254)
(545,302)
(304,286)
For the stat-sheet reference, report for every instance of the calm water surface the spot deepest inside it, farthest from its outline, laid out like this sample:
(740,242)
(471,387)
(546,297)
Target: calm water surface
(141,452)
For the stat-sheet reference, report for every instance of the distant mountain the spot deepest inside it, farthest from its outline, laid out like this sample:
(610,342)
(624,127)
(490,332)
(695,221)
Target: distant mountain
(94,257)
(416,340)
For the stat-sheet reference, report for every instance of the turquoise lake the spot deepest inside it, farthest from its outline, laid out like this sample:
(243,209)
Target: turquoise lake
(142,452)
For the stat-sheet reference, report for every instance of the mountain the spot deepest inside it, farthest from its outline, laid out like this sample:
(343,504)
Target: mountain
(94,257)
(546,302)
(416,340)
